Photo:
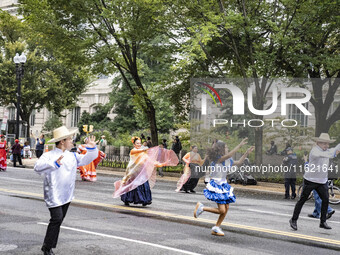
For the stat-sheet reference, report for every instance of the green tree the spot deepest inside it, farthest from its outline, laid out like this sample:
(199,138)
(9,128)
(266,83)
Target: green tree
(234,39)
(108,35)
(52,123)
(313,51)
(47,81)
(124,109)
(261,39)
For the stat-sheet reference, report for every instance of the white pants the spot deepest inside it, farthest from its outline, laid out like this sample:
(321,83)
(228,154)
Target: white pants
(27,153)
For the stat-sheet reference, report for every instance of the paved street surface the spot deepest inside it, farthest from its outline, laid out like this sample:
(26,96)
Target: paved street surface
(98,224)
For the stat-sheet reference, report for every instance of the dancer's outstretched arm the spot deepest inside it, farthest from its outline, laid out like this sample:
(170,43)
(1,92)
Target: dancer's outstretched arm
(241,160)
(231,153)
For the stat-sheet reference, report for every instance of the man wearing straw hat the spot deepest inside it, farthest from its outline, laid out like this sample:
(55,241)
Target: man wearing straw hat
(59,168)
(316,177)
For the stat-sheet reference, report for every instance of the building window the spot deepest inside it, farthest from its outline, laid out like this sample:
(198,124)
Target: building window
(32,118)
(196,115)
(296,114)
(102,76)
(75,116)
(95,108)
(11,113)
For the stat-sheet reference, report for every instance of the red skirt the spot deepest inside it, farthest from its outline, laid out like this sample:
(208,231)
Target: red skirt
(3,159)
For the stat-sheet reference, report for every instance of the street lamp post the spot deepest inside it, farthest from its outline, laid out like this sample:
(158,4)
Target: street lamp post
(19,64)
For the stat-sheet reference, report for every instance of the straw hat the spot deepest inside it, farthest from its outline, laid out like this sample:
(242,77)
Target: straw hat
(103,136)
(323,138)
(61,133)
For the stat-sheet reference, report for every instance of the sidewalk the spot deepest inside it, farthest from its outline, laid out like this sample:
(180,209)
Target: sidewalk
(264,187)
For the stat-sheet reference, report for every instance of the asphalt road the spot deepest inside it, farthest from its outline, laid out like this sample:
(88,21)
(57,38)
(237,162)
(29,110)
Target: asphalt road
(98,224)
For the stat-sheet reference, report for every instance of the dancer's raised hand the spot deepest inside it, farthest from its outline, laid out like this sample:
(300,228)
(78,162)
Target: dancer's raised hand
(250,149)
(91,142)
(244,141)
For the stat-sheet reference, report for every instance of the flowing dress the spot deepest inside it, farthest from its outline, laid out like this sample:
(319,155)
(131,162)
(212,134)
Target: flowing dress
(187,181)
(88,172)
(3,156)
(218,190)
(140,174)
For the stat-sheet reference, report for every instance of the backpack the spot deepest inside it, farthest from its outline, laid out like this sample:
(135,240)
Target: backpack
(103,143)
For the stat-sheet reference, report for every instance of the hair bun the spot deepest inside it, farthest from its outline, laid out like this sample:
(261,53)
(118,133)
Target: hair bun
(134,139)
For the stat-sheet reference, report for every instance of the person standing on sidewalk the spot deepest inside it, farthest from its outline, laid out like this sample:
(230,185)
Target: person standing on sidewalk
(316,177)
(16,151)
(317,208)
(290,161)
(59,169)
(177,147)
(149,142)
(102,143)
(39,148)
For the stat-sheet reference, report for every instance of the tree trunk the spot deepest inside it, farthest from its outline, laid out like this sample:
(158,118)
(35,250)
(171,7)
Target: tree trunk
(26,118)
(28,132)
(151,114)
(258,145)
(150,109)
(321,123)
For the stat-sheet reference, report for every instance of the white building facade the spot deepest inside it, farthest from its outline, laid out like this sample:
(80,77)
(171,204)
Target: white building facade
(97,94)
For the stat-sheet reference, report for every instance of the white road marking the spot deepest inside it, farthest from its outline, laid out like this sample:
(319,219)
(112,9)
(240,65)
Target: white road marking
(126,239)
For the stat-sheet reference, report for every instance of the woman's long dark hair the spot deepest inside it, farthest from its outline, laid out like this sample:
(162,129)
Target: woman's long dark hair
(216,151)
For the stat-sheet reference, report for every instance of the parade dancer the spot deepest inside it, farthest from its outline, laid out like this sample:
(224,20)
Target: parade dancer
(59,169)
(188,182)
(318,202)
(88,172)
(218,190)
(140,175)
(3,153)
(316,177)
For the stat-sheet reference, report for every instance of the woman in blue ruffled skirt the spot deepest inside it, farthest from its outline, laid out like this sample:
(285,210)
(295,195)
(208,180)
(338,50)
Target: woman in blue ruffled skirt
(218,189)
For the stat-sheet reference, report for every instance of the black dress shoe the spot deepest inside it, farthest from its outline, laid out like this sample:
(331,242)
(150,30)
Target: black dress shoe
(293,224)
(324,225)
(186,191)
(47,251)
(312,216)
(192,191)
(330,214)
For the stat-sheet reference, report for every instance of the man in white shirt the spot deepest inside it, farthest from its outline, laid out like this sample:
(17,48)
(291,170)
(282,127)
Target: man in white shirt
(59,169)
(316,177)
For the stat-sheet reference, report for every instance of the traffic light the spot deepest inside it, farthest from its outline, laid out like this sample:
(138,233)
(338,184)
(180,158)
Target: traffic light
(91,128)
(85,128)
